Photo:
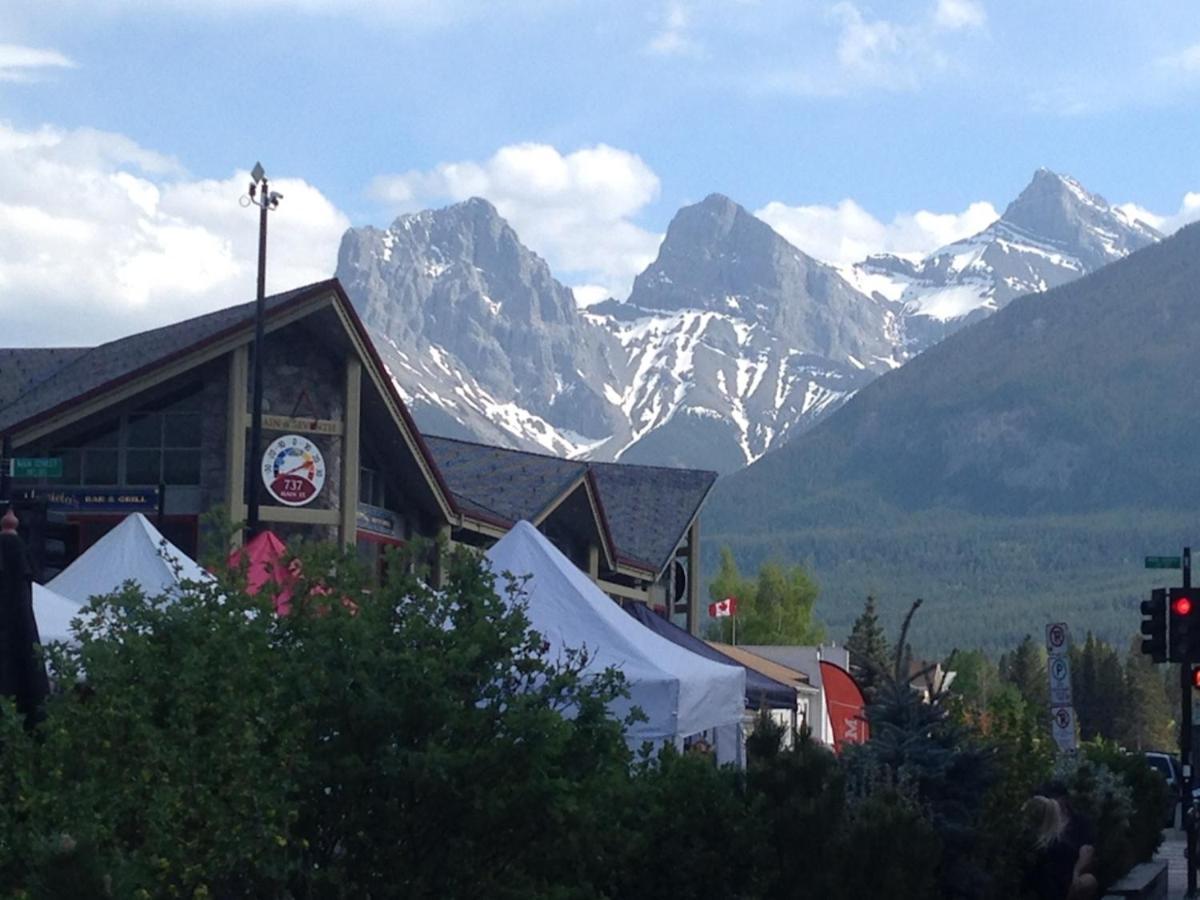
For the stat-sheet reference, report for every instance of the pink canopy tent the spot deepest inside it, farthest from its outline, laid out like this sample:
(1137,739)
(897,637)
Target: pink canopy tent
(264,558)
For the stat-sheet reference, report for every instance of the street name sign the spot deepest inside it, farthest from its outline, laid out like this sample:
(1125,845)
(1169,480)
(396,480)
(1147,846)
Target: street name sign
(35,467)
(1164,562)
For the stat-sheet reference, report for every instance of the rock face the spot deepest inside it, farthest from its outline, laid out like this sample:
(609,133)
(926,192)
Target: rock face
(736,339)
(479,336)
(732,342)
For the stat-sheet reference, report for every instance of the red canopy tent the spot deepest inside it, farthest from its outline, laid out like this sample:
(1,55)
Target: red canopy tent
(264,557)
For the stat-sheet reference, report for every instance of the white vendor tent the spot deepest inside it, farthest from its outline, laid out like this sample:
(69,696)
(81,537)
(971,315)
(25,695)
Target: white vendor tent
(680,692)
(133,551)
(53,614)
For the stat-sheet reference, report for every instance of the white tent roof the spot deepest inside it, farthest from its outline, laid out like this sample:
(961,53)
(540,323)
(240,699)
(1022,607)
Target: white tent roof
(680,692)
(133,551)
(53,614)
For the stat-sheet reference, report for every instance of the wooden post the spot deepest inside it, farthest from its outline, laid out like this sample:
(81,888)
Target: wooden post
(350,453)
(593,562)
(235,439)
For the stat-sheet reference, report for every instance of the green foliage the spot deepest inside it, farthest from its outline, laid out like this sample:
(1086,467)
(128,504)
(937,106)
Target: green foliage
(869,649)
(774,608)
(401,741)
(986,580)
(1025,670)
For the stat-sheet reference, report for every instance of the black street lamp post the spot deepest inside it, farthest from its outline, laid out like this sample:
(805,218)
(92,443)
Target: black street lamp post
(265,199)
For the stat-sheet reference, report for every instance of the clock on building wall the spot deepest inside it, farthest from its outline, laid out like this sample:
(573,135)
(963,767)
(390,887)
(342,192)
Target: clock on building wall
(293,470)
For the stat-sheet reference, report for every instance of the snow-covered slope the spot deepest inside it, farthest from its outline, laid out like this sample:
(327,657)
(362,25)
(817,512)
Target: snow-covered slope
(1054,232)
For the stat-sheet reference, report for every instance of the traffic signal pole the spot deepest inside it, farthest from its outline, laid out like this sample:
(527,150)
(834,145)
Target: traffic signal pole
(1185,739)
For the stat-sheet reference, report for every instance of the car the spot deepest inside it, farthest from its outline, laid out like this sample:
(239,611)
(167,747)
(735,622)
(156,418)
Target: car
(1168,765)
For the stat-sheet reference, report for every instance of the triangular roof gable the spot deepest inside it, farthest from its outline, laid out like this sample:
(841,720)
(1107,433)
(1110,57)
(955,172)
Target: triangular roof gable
(500,486)
(112,371)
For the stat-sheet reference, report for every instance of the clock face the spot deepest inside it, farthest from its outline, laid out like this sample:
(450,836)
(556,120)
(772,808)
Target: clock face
(293,470)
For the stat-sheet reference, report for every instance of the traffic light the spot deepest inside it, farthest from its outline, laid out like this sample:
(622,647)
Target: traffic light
(1154,625)
(1196,677)
(1184,606)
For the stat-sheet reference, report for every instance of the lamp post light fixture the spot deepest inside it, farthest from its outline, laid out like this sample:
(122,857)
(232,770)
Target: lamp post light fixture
(260,195)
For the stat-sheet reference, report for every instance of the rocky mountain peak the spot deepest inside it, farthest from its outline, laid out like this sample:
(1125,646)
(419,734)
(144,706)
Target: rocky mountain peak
(1058,209)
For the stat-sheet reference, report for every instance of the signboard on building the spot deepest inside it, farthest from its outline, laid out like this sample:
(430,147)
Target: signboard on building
(98,500)
(293,470)
(303,424)
(380,521)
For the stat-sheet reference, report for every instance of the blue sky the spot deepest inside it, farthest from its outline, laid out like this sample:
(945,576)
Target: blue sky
(125,128)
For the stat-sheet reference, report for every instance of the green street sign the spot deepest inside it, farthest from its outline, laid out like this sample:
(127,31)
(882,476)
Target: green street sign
(1164,562)
(34,467)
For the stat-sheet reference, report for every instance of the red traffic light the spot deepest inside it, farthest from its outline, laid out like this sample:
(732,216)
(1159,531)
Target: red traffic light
(1181,606)
(1196,677)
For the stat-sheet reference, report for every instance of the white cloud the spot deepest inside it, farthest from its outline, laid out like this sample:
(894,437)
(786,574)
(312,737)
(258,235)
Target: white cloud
(956,14)
(100,237)
(574,209)
(1188,212)
(1186,60)
(847,233)
(18,63)
(675,37)
(871,53)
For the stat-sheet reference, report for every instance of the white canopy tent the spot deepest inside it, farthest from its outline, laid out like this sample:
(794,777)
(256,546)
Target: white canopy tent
(681,692)
(133,551)
(53,614)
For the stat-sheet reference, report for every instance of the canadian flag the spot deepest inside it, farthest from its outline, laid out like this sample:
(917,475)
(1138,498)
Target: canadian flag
(726,607)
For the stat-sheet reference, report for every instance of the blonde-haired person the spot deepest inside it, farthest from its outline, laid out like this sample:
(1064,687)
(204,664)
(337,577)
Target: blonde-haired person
(1057,872)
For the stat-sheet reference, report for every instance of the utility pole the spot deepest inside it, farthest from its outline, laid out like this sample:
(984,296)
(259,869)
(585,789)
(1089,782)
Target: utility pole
(259,194)
(1185,737)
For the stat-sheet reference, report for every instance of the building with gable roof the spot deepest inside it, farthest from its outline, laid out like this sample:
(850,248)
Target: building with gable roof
(157,422)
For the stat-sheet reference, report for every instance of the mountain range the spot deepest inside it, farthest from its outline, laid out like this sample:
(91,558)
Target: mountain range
(732,342)
(1012,475)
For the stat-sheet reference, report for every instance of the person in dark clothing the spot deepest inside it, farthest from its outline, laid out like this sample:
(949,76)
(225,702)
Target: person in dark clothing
(1059,869)
(22,672)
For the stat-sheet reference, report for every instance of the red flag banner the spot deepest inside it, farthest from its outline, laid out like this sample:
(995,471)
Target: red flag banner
(723,608)
(845,704)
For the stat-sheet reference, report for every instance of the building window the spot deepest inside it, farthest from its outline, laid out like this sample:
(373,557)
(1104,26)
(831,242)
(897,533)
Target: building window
(370,487)
(156,444)
(163,445)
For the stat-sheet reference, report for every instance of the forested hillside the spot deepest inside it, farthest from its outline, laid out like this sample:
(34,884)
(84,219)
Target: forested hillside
(1015,472)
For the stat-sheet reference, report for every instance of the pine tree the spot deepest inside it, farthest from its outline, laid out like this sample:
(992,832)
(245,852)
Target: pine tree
(868,646)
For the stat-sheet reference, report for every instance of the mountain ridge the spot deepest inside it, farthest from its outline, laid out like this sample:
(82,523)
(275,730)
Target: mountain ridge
(732,341)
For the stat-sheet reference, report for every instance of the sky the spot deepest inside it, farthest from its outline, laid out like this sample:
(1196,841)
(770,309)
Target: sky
(127,129)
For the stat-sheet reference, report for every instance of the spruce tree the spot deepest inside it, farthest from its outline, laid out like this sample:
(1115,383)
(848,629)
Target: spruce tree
(868,646)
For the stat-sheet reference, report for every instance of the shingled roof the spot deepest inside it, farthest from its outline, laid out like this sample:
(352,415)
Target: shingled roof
(648,509)
(509,484)
(83,372)
(23,367)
